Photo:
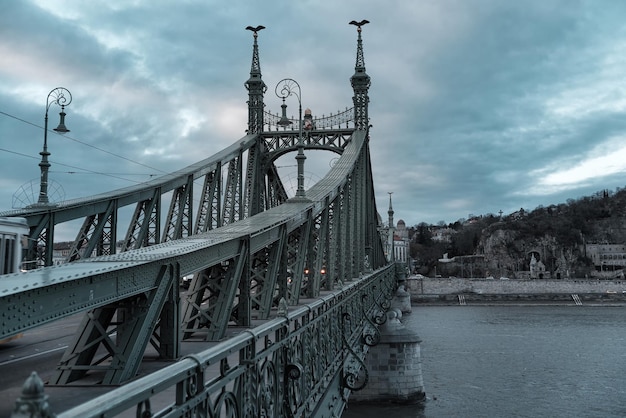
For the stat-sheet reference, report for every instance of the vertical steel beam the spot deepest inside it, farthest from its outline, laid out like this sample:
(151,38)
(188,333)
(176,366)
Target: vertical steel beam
(194,317)
(210,302)
(359,218)
(137,323)
(320,273)
(179,217)
(41,242)
(264,275)
(297,259)
(241,311)
(233,193)
(227,306)
(166,339)
(95,235)
(315,254)
(132,321)
(277,194)
(209,209)
(92,334)
(255,200)
(145,224)
(334,269)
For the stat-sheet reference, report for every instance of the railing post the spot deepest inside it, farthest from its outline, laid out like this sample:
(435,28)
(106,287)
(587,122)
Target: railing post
(33,403)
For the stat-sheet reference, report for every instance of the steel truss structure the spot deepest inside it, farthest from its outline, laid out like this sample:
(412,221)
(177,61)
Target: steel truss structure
(303,364)
(230,223)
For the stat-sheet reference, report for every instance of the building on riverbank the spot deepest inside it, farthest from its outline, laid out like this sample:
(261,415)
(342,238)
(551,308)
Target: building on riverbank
(607,257)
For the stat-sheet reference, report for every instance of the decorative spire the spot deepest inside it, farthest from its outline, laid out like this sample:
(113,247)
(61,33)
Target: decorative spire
(360,83)
(360,60)
(256,87)
(255,70)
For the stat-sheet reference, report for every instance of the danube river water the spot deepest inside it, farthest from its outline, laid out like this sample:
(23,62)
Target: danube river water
(517,361)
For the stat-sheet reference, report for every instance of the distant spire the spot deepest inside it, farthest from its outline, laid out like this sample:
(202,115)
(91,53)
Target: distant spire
(390,232)
(390,211)
(256,87)
(360,83)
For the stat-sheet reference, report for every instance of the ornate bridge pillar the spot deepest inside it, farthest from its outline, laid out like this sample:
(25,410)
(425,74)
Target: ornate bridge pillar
(394,365)
(255,170)
(360,83)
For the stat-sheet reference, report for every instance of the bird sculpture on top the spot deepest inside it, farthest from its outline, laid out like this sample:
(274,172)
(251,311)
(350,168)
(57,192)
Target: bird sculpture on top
(255,30)
(359,24)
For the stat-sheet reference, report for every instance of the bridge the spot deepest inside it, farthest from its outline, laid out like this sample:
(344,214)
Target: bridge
(305,279)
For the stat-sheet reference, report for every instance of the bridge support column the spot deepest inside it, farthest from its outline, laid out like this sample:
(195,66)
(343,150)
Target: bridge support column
(394,365)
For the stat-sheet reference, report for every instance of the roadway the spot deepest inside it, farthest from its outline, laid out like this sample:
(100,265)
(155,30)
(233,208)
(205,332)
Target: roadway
(40,349)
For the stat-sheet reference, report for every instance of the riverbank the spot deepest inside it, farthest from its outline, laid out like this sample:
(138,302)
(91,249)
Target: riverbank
(590,299)
(460,291)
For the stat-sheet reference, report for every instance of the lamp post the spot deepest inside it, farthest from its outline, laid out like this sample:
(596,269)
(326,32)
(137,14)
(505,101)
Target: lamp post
(62,97)
(285,88)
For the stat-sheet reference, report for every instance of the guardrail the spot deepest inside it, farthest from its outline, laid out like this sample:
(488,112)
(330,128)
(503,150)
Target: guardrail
(283,368)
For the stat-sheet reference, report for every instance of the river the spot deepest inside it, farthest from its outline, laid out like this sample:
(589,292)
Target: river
(517,361)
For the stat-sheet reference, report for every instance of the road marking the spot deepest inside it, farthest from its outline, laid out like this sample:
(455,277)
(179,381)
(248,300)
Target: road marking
(33,355)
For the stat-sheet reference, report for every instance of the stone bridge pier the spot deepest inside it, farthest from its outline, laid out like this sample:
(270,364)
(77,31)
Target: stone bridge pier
(394,365)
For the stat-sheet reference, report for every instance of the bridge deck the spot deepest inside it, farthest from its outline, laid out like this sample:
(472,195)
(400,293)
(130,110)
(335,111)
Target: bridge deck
(64,397)
(112,277)
(39,296)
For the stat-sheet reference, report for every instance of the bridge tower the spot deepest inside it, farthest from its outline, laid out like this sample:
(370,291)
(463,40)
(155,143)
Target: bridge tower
(256,89)
(248,249)
(360,83)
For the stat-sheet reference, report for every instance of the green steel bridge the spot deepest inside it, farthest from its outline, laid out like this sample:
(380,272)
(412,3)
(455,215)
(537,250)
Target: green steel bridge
(306,277)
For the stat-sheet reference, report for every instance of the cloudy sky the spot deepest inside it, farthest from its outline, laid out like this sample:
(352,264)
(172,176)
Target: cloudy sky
(477,106)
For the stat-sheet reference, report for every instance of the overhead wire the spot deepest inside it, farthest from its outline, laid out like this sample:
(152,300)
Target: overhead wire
(83,170)
(86,171)
(85,144)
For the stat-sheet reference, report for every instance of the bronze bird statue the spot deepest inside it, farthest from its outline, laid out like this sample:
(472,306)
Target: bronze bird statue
(359,24)
(255,30)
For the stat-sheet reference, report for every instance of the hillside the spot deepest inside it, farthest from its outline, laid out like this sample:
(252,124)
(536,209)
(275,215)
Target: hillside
(557,234)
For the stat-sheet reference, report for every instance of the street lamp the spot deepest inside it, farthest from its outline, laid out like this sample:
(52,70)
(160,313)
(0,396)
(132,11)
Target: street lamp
(285,88)
(62,97)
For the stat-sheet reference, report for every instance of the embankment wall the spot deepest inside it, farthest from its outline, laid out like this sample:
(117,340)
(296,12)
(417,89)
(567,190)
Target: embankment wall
(490,290)
(431,286)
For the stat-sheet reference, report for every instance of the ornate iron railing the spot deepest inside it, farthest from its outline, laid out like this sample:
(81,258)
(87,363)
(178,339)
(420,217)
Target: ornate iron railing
(292,366)
(339,120)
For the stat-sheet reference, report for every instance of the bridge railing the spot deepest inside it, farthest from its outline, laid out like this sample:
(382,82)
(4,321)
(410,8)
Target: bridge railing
(285,367)
(341,119)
